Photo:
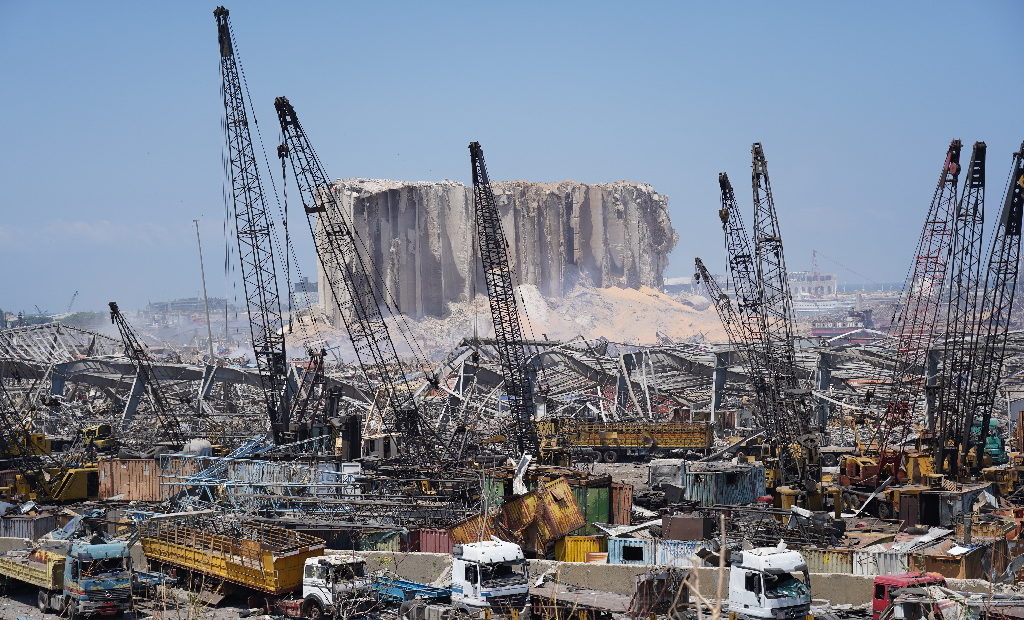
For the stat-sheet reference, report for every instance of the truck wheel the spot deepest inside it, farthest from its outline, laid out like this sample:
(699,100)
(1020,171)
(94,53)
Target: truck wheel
(610,456)
(311,609)
(43,601)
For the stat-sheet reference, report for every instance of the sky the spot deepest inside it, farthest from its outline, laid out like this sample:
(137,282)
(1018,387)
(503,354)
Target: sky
(113,144)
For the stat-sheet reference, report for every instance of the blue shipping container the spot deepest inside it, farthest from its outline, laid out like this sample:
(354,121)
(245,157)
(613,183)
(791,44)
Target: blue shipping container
(630,551)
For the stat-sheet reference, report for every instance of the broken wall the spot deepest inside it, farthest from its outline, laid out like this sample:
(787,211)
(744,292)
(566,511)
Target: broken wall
(421,237)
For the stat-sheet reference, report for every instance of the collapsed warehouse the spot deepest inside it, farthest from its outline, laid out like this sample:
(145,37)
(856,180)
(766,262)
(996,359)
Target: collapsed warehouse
(520,474)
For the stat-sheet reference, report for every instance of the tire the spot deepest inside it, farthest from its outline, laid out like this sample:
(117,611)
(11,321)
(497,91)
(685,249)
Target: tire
(312,609)
(610,456)
(43,601)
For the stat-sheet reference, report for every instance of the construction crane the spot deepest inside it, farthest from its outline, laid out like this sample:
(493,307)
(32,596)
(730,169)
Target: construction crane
(72,302)
(959,348)
(145,381)
(917,316)
(347,273)
(255,237)
(508,331)
(994,311)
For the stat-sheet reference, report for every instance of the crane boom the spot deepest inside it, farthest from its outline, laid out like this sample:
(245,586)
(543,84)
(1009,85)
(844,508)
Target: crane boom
(917,314)
(145,376)
(996,306)
(255,237)
(508,331)
(359,302)
(965,286)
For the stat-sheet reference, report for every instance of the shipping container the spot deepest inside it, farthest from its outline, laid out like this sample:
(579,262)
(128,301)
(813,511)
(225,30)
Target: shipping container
(543,516)
(428,540)
(687,527)
(709,484)
(594,503)
(631,551)
(680,553)
(27,526)
(576,548)
(135,480)
(621,500)
(828,560)
(881,562)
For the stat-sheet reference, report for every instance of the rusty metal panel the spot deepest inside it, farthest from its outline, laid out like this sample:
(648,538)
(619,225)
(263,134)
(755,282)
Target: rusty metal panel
(428,540)
(576,548)
(473,529)
(621,507)
(684,527)
(136,480)
(828,560)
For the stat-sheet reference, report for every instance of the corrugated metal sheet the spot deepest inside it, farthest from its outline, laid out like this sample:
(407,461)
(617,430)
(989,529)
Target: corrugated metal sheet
(576,548)
(678,552)
(594,503)
(732,485)
(631,551)
(27,526)
(429,541)
(828,560)
(137,480)
(473,529)
(543,516)
(874,563)
(621,503)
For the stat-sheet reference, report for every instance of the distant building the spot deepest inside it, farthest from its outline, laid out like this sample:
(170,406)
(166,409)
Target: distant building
(188,305)
(811,284)
(305,293)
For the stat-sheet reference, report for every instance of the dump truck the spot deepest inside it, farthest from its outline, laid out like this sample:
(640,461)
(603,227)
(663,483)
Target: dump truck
(488,576)
(249,554)
(75,578)
(613,441)
(769,582)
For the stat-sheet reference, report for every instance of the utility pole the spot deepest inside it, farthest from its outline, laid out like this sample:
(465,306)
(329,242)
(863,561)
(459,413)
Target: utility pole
(206,300)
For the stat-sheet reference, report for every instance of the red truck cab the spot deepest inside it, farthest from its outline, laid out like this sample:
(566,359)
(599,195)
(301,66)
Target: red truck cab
(886,587)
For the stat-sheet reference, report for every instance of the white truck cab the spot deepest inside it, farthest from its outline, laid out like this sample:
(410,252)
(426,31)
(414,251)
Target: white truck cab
(489,574)
(770,582)
(330,582)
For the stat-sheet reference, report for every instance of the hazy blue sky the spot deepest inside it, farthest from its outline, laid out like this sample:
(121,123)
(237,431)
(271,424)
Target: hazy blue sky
(112,140)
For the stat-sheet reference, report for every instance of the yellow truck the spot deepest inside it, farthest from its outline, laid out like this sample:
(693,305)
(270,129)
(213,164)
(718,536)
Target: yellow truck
(246,553)
(612,441)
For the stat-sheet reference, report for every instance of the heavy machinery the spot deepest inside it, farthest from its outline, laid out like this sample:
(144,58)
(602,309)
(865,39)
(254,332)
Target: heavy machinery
(359,301)
(255,232)
(501,296)
(168,427)
(761,326)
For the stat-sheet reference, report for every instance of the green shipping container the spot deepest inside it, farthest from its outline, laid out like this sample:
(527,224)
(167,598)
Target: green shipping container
(494,491)
(595,504)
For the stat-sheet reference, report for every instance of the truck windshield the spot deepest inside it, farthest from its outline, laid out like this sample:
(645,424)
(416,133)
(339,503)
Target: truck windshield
(504,573)
(105,566)
(787,585)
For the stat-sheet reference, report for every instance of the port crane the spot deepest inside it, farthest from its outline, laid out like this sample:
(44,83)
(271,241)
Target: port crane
(145,381)
(508,329)
(348,273)
(255,232)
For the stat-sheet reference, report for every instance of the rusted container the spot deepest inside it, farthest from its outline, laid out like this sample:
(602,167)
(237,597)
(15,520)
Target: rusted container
(428,540)
(621,503)
(543,516)
(576,548)
(27,526)
(687,527)
(473,529)
(828,560)
(137,480)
